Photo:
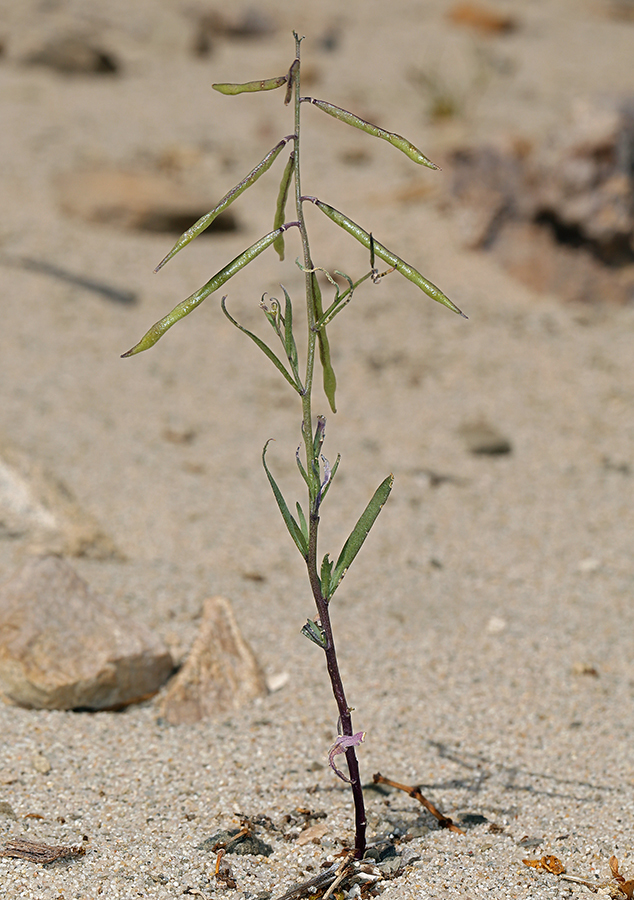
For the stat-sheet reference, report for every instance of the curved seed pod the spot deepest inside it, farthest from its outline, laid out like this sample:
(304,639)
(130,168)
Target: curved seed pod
(330,379)
(396,140)
(206,220)
(289,339)
(291,78)
(386,255)
(186,306)
(249,87)
(282,197)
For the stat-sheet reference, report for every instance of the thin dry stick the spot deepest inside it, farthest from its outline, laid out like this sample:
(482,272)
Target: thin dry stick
(415,792)
(19,848)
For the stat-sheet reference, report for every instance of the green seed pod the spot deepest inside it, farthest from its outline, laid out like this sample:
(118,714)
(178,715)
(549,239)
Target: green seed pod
(330,379)
(386,255)
(282,197)
(205,221)
(396,140)
(249,87)
(186,306)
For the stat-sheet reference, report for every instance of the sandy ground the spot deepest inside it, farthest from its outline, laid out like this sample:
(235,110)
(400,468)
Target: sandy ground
(485,635)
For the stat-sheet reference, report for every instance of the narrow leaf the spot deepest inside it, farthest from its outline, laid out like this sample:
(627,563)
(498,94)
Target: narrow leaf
(206,220)
(282,197)
(330,379)
(326,572)
(360,532)
(249,87)
(302,470)
(383,253)
(279,365)
(186,306)
(396,140)
(293,528)
(302,520)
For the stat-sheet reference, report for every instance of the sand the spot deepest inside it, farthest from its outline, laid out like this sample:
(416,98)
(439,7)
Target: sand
(485,632)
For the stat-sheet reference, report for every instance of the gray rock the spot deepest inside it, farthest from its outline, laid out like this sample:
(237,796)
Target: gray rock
(220,674)
(38,508)
(62,648)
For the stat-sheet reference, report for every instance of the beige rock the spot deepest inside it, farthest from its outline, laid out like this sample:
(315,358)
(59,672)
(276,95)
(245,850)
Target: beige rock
(142,201)
(37,507)
(220,674)
(62,648)
(73,55)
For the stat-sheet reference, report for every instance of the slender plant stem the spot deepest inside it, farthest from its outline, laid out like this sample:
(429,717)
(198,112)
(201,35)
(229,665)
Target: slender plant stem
(312,468)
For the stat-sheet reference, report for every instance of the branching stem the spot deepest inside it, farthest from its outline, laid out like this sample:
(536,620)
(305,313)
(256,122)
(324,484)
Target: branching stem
(312,469)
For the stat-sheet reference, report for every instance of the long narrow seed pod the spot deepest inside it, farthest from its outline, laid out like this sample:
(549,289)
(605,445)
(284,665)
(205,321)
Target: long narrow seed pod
(396,140)
(206,220)
(186,306)
(282,197)
(249,87)
(330,379)
(386,255)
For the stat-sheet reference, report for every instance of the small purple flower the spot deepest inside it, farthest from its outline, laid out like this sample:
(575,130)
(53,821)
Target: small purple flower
(341,744)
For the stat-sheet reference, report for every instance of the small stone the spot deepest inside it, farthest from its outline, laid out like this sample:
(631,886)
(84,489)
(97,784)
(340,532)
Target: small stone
(220,674)
(245,845)
(40,763)
(313,834)
(481,18)
(7,810)
(63,648)
(409,856)
(589,565)
(496,625)
(482,439)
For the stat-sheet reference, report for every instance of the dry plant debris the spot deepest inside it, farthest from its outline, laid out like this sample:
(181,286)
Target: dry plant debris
(19,848)
(617,886)
(415,792)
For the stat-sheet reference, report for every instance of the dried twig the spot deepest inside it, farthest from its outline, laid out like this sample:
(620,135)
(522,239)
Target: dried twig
(18,848)
(415,792)
(307,888)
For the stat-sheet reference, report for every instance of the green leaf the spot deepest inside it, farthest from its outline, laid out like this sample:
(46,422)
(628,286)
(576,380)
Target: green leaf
(302,521)
(206,220)
(383,253)
(360,532)
(293,528)
(279,365)
(189,305)
(314,633)
(326,573)
(249,87)
(396,140)
(282,197)
(330,380)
